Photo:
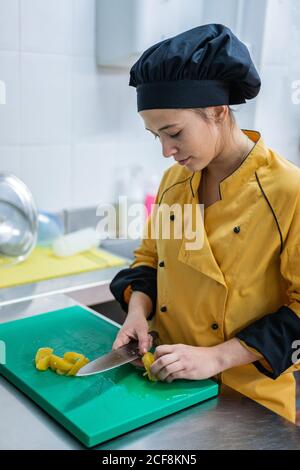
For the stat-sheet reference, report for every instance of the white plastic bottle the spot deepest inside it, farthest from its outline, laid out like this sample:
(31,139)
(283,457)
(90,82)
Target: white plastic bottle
(76,242)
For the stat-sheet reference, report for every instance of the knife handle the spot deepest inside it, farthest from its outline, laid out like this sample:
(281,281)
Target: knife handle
(155,337)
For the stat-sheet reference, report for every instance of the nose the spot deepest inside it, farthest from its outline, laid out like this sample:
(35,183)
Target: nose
(168,149)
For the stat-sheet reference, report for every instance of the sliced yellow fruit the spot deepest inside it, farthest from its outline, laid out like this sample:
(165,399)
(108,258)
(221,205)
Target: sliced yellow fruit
(44,363)
(79,363)
(67,365)
(59,363)
(148,360)
(43,352)
(72,357)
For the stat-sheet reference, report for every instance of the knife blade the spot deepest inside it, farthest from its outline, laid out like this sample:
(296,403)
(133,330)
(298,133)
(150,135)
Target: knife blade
(118,357)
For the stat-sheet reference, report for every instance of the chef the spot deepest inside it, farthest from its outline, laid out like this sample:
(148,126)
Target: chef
(230,308)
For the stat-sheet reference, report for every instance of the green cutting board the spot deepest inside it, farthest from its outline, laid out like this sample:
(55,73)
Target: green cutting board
(94,408)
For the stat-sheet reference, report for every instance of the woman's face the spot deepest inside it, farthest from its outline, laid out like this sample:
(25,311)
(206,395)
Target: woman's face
(184,135)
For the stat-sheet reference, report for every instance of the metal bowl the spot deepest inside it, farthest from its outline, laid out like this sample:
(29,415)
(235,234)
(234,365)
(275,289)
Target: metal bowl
(18,220)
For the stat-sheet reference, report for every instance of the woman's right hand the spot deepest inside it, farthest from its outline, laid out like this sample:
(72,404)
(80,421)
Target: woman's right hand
(134,327)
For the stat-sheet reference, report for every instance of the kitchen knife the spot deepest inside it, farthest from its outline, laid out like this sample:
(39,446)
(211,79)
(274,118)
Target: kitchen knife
(123,355)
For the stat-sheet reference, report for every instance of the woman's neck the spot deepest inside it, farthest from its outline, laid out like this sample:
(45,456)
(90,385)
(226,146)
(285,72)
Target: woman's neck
(230,156)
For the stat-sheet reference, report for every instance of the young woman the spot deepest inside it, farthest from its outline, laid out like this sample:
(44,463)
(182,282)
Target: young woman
(229,309)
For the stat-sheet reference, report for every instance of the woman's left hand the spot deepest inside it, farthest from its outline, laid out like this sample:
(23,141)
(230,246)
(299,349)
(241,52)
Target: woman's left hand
(179,361)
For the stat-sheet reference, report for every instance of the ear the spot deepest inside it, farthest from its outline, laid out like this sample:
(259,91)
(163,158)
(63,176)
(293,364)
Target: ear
(220,113)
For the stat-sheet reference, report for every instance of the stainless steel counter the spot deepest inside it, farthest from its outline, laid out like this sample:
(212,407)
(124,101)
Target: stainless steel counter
(230,421)
(68,284)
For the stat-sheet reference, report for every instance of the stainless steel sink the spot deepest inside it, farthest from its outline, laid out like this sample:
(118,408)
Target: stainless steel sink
(121,247)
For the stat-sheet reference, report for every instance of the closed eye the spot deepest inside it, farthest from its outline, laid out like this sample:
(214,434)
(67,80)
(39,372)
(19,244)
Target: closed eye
(175,135)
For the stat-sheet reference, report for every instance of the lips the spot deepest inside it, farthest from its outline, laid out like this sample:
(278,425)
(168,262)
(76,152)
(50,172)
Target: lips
(183,162)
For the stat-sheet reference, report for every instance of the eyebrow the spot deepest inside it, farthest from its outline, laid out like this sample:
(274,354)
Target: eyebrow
(163,128)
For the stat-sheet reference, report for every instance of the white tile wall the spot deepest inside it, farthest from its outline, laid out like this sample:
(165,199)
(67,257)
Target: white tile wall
(46,26)
(69,127)
(274,91)
(277,117)
(9,25)
(10,112)
(84,28)
(282,32)
(93,174)
(131,124)
(277,32)
(147,154)
(46,99)
(277,129)
(10,160)
(95,101)
(214,12)
(47,172)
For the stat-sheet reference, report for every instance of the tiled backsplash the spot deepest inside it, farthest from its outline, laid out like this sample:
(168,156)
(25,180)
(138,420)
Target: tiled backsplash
(68,127)
(277,116)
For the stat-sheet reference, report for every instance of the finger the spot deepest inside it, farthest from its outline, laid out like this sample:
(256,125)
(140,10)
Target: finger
(150,341)
(120,340)
(144,342)
(138,363)
(163,362)
(176,375)
(164,349)
(169,370)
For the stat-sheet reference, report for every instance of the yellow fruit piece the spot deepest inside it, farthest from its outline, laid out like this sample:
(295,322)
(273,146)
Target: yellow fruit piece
(79,363)
(67,365)
(59,363)
(148,360)
(44,363)
(72,357)
(43,352)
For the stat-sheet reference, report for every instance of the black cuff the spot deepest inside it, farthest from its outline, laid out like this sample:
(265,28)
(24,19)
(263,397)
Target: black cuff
(273,336)
(142,279)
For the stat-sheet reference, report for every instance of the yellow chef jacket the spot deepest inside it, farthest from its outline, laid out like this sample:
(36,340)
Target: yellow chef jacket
(245,279)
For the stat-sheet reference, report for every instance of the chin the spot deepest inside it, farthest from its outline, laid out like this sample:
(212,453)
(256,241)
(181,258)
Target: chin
(190,167)
(193,165)
(197,165)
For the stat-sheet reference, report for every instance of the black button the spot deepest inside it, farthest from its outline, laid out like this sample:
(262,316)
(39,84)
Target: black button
(172,217)
(161,264)
(163,308)
(215,326)
(237,229)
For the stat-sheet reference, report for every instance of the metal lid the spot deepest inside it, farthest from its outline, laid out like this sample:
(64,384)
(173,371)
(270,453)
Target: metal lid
(18,220)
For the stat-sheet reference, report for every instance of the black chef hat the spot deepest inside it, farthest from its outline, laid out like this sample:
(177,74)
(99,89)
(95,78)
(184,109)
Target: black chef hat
(205,66)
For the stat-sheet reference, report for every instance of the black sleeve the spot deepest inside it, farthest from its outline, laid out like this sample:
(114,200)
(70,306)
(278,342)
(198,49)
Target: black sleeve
(273,336)
(141,278)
